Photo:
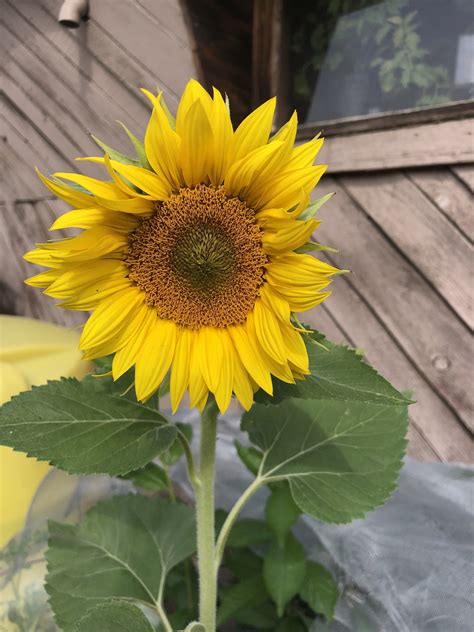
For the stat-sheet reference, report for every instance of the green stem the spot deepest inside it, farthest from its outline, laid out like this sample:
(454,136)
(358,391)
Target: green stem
(232,517)
(205,519)
(169,484)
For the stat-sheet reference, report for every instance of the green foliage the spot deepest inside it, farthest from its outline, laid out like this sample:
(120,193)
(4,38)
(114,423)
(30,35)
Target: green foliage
(341,458)
(122,550)
(281,511)
(152,477)
(115,616)
(82,429)
(249,532)
(250,456)
(248,593)
(319,590)
(173,454)
(284,569)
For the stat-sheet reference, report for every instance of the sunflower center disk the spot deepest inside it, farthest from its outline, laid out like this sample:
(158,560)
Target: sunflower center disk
(199,259)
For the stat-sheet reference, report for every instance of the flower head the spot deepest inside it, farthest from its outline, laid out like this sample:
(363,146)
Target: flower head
(187,259)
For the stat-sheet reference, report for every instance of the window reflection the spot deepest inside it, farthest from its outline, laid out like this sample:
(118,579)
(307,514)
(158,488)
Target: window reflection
(351,58)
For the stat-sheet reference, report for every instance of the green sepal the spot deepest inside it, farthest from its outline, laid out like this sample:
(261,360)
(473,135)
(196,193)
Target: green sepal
(311,211)
(114,154)
(138,146)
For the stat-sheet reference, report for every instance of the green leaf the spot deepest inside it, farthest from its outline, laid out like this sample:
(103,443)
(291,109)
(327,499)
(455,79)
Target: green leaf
(319,590)
(175,451)
(116,616)
(247,593)
(284,570)
(151,477)
(243,562)
(261,617)
(341,459)
(115,155)
(123,549)
(281,511)
(83,430)
(249,532)
(138,146)
(250,456)
(312,210)
(339,374)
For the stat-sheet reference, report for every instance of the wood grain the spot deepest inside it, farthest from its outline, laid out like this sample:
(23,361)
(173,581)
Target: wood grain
(423,325)
(423,234)
(450,142)
(450,196)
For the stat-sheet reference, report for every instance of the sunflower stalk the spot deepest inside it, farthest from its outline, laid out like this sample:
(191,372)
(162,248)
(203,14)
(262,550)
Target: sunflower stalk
(205,518)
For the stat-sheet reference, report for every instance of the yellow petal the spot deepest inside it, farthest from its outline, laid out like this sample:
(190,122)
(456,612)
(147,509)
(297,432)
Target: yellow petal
(88,217)
(246,171)
(127,355)
(215,352)
(179,379)
(192,93)
(296,351)
(290,238)
(248,352)
(71,196)
(281,370)
(162,146)
(82,275)
(304,155)
(253,132)
(198,391)
(91,244)
(196,145)
(154,360)
(96,187)
(43,279)
(110,317)
(147,181)
(222,137)
(275,302)
(267,328)
(242,384)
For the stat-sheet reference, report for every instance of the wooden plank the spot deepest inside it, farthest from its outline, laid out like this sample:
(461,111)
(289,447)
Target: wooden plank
(432,418)
(154,47)
(424,235)
(449,194)
(169,15)
(466,174)
(345,304)
(437,344)
(69,109)
(22,225)
(444,143)
(29,143)
(418,448)
(68,54)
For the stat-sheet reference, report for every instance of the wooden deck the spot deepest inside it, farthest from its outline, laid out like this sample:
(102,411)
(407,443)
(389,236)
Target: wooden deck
(406,234)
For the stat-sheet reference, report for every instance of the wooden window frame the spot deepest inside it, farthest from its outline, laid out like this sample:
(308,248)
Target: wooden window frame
(436,135)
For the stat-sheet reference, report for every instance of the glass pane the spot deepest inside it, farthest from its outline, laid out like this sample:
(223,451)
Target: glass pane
(355,57)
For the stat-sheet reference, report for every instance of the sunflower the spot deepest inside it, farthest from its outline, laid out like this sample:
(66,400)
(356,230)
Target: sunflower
(189,257)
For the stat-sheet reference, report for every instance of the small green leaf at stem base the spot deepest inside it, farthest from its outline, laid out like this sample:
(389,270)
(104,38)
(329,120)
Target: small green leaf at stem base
(123,549)
(319,590)
(284,570)
(115,616)
(82,429)
(281,511)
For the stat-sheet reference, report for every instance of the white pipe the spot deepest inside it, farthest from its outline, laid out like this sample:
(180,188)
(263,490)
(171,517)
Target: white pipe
(72,12)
